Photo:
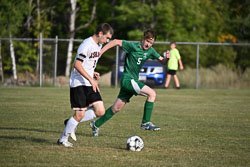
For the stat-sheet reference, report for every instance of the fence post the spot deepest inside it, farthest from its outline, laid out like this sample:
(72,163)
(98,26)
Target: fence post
(1,63)
(41,59)
(197,67)
(116,65)
(55,63)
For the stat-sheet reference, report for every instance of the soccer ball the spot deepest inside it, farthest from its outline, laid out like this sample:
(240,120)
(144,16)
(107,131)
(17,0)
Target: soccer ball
(135,143)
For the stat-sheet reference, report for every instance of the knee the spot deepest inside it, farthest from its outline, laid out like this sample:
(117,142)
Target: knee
(100,112)
(116,109)
(152,96)
(79,115)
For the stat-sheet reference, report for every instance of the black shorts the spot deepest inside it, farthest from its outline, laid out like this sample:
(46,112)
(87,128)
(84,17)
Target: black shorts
(82,97)
(172,72)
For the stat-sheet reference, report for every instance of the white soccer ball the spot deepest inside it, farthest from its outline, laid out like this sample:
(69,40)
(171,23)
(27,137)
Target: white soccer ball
(135,143)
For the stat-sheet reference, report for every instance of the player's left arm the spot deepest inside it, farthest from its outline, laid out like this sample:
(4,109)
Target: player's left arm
(181,65)
(179,60)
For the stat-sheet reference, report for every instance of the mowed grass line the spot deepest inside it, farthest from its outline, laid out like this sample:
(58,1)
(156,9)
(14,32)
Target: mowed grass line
(198,128)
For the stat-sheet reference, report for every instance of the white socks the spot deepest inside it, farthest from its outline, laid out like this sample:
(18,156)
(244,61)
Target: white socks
(89,115)
(71,125)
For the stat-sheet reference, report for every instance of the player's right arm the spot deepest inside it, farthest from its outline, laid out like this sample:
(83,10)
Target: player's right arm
(111,44)
(164,58)
(81,70)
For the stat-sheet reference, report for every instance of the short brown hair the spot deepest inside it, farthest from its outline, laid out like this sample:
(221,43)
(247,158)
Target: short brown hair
(105,28)
(149,34)
(172,42)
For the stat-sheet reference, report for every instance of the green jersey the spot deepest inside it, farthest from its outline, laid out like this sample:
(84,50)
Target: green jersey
(135,58)
(173,61)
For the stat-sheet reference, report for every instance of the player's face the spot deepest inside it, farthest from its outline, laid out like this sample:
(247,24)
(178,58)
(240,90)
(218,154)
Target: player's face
(104,38)
(172,46)
(147,43)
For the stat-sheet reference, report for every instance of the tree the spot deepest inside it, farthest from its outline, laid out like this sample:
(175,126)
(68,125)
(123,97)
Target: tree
(186,20)
(38,23)
(11,16)
(12,55)
(73,30)
(239,21)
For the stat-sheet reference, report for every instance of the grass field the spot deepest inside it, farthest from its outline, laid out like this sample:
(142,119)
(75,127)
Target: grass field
(198,128)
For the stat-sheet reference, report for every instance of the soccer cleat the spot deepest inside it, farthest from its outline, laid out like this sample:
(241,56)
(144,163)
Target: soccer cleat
(95,130)
(65,143)
(73,134)
(149,126)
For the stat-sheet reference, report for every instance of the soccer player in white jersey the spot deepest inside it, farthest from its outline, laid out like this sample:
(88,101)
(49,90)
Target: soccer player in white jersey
(85,98)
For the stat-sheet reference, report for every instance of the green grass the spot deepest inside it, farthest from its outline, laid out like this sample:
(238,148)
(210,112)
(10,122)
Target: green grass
(198,128)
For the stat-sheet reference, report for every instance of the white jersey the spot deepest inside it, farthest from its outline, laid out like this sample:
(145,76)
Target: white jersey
(89,53)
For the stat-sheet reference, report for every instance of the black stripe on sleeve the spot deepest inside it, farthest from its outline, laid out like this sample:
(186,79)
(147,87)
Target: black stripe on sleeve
(81,57)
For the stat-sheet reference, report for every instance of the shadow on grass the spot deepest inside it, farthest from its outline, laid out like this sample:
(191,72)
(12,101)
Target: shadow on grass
(28,129)
(31,139)
(27,138)
(120,148)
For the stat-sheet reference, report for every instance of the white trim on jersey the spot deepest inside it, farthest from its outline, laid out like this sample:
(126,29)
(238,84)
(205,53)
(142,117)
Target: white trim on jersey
(90,106)
(89,53)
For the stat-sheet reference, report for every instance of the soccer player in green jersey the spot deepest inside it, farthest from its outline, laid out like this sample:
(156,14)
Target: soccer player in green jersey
(173,66)
(137,54)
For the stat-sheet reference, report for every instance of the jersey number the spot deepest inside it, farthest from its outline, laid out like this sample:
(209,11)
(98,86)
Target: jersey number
(139,61)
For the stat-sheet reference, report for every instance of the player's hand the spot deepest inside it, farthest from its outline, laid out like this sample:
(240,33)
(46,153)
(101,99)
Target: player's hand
(94,85)
(97,75)
(167,54)
(181,67)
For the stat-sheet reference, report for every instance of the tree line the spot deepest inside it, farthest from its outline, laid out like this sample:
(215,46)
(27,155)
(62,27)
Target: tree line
(181,20)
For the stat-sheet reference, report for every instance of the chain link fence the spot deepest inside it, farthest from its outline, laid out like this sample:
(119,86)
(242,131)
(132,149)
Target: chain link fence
(41,62)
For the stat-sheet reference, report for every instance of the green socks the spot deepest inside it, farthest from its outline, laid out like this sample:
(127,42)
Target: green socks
(108,114)
(148,108)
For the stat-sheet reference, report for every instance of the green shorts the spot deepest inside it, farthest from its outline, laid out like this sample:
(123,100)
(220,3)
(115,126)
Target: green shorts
(129,87)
